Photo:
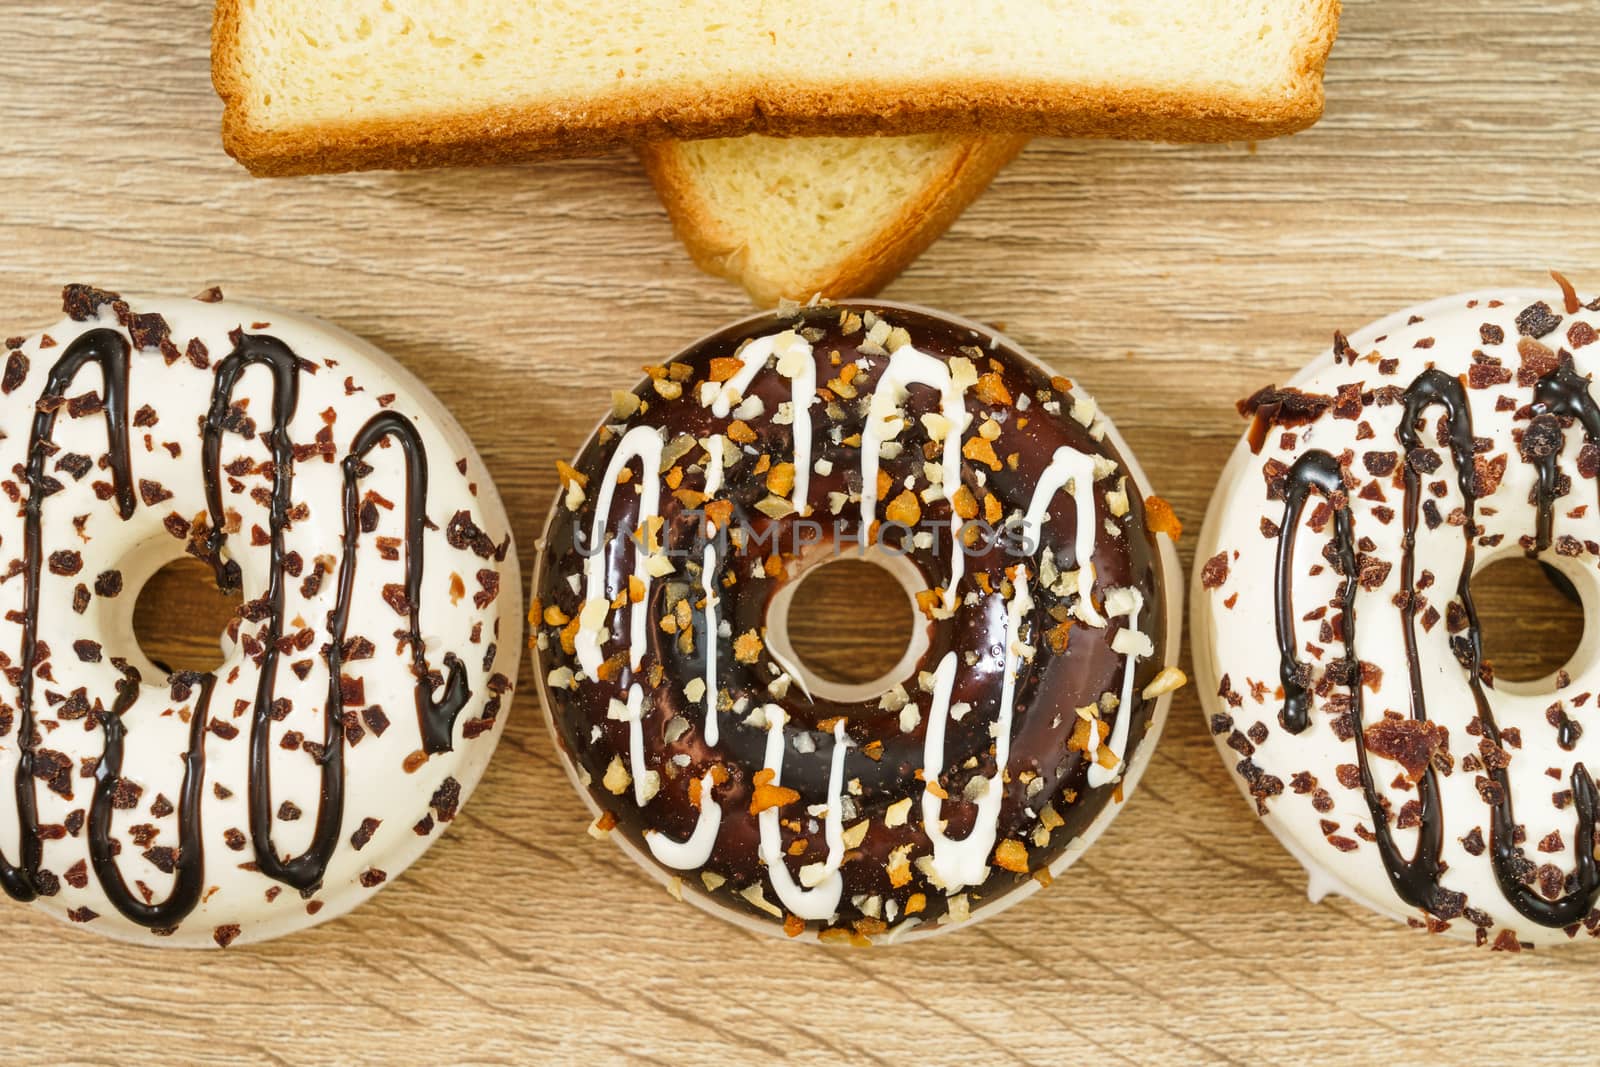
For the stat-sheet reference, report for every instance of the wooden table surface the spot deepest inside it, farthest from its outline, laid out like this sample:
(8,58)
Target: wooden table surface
(1461,148)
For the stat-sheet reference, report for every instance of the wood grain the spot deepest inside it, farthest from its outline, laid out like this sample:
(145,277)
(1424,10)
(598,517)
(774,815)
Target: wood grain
(881,615)
(1461,148)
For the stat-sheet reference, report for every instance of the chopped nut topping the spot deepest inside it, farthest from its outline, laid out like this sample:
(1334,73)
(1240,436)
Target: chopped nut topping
(765,795)
(617,779)
(1169,680)
(1012,855)
(747,647)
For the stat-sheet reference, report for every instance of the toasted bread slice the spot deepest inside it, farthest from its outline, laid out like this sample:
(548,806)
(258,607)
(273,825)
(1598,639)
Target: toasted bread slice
(840,216)
(312,86)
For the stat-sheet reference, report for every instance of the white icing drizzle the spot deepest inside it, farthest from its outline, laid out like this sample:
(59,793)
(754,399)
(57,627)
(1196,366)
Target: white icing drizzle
(681,855)
(636,744)
(707,571)
(696,851)
(906,367)
(1069,465)
(714,466)
(643,443)
(795,362)
(1118,741)
(822,900)
(754,357)
(966,862)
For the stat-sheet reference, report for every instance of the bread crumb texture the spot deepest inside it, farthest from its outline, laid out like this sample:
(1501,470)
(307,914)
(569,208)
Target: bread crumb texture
(788,218)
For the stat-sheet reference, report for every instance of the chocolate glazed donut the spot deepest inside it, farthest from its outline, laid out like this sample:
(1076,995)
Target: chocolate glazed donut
(727,768)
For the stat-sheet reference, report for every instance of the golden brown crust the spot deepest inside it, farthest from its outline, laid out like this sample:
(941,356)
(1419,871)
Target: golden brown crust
(718,250)
(225,65)
(690,113)
(1314,50)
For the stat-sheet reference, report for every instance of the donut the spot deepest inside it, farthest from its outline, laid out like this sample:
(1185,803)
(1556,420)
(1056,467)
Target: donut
(1018,524)
(365,676)
(1337,641)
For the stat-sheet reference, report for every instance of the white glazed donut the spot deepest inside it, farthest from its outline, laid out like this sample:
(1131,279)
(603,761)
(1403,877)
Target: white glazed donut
(1371,734)
(329,748)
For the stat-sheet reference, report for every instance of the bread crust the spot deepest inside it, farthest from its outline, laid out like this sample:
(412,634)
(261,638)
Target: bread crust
(918,222)
(593,125)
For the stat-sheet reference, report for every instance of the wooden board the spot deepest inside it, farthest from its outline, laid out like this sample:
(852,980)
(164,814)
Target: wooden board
(1461,149)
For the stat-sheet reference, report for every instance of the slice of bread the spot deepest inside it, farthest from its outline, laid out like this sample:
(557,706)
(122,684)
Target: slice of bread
(311,86)
(840,216)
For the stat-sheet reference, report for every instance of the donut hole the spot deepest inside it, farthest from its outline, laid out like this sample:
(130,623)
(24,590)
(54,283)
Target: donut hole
(850,621)
(1531,619)
(179,616)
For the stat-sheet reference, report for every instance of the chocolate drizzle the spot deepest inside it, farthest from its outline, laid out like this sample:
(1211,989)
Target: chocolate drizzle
(436,719)
(189,863)
(1314,470)
(252,350)
(1562,393)
(109,350)
(1417,880)
(303,872)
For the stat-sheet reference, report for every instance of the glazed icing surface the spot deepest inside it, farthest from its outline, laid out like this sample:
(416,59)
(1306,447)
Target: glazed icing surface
(705,751)
(1337,638)
(365,677)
